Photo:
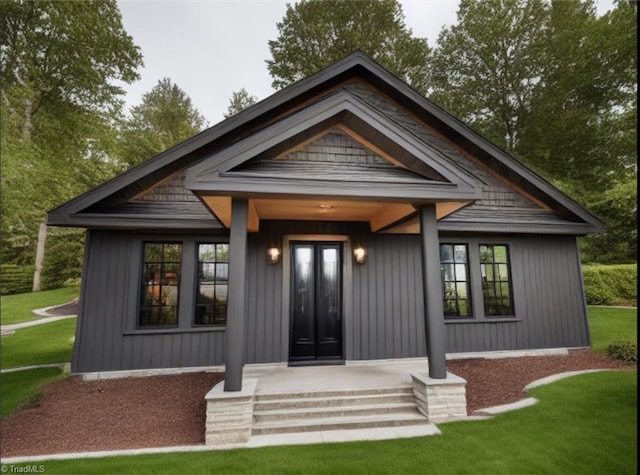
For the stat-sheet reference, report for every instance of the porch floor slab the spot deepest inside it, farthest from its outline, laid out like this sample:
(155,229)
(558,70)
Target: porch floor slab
(354,375)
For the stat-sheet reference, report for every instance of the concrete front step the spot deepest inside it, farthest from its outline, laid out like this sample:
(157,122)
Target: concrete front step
(342,423)
(270,396)
(335,411)
(333,401)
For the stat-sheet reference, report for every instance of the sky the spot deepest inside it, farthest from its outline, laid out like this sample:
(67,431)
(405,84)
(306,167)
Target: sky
(212,48)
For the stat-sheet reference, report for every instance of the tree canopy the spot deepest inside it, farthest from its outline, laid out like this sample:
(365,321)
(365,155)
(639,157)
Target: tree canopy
(60,62)
(165,117)
(316,33)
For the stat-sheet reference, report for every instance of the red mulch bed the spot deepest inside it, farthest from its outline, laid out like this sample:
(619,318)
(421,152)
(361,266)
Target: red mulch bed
(157,411)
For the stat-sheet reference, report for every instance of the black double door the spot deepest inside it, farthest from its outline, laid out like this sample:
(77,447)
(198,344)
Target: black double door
(316,302)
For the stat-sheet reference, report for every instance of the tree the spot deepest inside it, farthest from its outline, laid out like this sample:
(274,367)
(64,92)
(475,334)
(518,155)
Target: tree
(59,64)
(165,117)
(485,68)
(239,101)
(314,34)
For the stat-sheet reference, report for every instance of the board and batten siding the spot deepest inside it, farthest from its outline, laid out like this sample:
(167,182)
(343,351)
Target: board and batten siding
(548,294)
(106,338)
(383,315)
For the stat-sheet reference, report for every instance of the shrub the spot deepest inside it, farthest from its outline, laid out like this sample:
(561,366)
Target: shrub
(623,350)
(15,279)
(610,284)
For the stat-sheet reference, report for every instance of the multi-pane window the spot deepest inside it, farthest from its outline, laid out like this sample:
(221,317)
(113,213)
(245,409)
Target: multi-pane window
(212,285)
(454,266)
(496,279)
(160,284)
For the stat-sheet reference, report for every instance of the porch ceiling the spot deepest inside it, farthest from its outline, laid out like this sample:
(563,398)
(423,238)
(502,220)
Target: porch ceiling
(378,214)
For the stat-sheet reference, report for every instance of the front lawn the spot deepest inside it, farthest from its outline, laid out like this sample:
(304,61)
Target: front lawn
(40,344)
(608,324)
(18,308)
(582,425)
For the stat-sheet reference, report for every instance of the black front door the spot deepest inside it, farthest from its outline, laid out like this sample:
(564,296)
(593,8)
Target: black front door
(316,302)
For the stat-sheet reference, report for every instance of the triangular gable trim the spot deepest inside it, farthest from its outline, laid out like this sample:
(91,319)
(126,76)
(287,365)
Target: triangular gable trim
(216,173)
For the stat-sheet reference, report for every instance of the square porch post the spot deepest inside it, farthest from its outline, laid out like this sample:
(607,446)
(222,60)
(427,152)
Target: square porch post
(234,345)
(432,290)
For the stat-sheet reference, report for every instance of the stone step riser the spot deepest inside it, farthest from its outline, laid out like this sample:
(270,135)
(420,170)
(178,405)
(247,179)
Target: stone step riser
(311,403)
(335,426)
(259,397)
(341,412)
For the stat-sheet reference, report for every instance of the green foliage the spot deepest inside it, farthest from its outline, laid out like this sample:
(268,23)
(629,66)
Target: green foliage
(568,431)
(40,344)
(63,259)
(486,67)
(25,387)
(617,206)
(18,308)
(16,279)
(239,101)
(60,63)
(314,34)
(624,350)
(165,117)
(608,285)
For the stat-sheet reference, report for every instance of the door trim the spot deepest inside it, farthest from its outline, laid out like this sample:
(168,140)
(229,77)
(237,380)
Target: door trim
(347,279)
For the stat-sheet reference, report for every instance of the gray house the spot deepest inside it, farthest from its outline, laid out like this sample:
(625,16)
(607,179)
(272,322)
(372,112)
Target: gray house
(345,217)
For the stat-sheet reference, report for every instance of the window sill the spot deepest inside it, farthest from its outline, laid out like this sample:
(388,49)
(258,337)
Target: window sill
(482,320)
(165,331)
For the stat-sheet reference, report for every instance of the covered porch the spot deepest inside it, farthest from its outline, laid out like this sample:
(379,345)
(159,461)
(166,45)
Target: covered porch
(367,400)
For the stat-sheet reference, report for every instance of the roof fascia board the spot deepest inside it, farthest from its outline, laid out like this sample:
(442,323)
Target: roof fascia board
(319,188)
(123,221)
(573,229)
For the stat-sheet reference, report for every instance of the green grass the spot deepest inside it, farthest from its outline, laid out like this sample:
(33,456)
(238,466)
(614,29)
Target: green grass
(608,324)
(41,344)
(18,308)
(582,425)
(22,387)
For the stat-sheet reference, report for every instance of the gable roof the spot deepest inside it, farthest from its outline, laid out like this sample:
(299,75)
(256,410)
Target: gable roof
(271,117)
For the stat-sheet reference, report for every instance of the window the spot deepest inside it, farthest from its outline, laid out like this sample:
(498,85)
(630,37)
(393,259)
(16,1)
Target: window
(454,267)
(496,279)
(160,284)
(213,284)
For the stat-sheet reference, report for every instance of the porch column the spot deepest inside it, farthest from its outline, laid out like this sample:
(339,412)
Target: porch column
(234,349)
(432,289)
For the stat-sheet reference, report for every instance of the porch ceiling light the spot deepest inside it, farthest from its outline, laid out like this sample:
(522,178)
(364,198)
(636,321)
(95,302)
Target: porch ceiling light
(360,254)
(273,255)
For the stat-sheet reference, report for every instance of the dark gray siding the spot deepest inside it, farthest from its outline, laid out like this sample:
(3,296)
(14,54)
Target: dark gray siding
(106,338)
(548,297)
(383,318)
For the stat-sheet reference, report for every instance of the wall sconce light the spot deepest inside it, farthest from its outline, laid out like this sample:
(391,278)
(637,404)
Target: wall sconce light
(359,254)
(273,255)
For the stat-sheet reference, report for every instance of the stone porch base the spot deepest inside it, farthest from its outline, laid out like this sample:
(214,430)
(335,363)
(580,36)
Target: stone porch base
(440,399)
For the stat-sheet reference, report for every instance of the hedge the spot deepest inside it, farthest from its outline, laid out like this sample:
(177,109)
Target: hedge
(611,284)
(16,279)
